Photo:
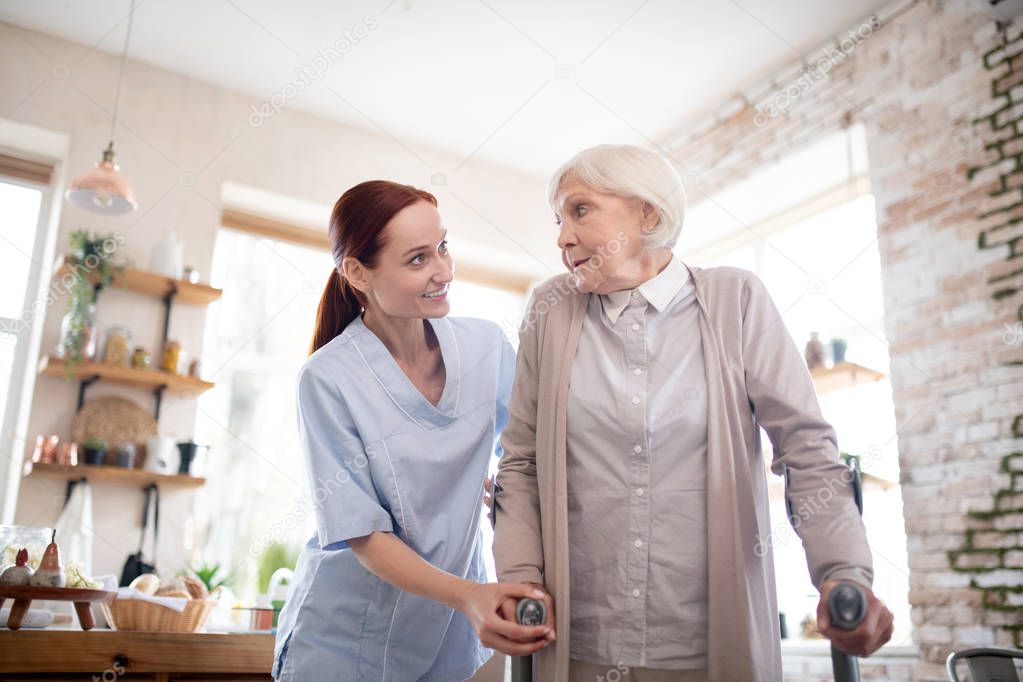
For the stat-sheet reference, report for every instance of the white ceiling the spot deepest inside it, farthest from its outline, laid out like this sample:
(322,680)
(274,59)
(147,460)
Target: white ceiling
(477,77)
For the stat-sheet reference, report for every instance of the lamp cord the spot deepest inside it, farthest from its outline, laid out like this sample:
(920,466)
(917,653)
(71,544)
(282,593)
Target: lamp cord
(120,77)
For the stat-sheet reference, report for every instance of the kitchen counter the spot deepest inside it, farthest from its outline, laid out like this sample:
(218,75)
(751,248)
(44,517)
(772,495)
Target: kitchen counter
(55,654)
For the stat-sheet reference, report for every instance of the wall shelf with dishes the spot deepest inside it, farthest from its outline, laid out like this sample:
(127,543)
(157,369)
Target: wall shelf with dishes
(107,430)
(166,289)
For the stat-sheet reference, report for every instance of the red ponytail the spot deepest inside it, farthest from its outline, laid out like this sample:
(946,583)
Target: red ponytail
(356,230)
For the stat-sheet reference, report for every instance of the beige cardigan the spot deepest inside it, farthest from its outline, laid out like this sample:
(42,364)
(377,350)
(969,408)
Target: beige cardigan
(755,375)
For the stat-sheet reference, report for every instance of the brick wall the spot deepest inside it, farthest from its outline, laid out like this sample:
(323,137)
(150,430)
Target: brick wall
(939,89)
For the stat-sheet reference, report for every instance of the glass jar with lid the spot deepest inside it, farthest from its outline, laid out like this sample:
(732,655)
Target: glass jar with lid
(118,348)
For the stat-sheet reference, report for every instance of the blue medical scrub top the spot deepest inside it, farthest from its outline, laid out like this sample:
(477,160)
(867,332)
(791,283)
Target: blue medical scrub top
(381,457)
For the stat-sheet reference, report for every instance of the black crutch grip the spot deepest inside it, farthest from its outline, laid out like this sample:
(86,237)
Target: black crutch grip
(847,607)
(527,612)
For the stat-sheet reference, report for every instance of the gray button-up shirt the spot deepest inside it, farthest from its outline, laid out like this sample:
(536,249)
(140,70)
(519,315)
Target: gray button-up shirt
(637,493)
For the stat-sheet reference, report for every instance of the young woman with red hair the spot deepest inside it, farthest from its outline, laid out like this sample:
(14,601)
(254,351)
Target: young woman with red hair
(400,409)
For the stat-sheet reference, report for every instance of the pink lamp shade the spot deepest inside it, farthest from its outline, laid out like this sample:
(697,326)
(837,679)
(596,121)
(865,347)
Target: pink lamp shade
(103,189)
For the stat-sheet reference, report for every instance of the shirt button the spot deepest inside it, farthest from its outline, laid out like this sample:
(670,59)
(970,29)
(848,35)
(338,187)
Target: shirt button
(637,371)
(635,593)
(635,326)
(639,491)
(638,543)
(637,449)
(635,400)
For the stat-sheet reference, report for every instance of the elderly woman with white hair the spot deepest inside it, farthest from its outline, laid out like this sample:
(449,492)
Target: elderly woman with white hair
(632,486)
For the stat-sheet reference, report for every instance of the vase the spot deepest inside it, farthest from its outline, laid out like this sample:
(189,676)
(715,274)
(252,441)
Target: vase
(814,352)
(78,334)
(838,348)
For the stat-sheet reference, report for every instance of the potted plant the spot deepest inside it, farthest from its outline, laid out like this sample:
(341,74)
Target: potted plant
(78,328)
(208,574)
(95,451)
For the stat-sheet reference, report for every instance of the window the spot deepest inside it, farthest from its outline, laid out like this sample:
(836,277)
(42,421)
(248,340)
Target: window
(21,240)
(257,337)
(806,226)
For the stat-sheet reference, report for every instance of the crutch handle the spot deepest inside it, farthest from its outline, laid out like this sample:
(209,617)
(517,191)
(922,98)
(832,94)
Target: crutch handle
(527,612)
(847,607)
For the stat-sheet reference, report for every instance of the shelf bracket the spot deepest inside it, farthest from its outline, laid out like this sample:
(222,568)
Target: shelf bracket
(82,385)
(158,397)
(72,482)
(168,299)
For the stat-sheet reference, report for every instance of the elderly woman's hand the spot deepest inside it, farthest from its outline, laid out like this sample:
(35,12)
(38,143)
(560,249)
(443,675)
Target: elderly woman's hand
(508,607)
(868,636)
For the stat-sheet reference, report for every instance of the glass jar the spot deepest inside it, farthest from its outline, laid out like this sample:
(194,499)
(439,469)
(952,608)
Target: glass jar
(140,358)
(78,334)
(171,356)
(118,345)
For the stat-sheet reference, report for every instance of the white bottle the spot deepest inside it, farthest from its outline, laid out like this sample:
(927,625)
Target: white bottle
(167,257)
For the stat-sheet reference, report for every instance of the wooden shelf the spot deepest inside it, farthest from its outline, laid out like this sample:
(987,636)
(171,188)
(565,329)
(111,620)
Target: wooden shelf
(135,478)
(149,283)
(843,375)
(126,376)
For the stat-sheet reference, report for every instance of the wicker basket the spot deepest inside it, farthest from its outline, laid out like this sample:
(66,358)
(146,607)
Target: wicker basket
(139,615)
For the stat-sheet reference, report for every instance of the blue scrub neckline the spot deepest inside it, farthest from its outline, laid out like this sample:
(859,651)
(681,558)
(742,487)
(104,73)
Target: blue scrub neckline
(396,383)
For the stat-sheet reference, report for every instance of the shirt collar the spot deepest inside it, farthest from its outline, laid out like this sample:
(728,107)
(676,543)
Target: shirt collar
(658,291)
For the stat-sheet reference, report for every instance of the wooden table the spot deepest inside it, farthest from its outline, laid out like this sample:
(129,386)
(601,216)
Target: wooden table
(66,655)
(22,596)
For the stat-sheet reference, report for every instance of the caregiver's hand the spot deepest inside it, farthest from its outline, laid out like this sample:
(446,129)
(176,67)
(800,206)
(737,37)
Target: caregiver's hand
(509,605)
(488,492)
(480,603)
(869,636)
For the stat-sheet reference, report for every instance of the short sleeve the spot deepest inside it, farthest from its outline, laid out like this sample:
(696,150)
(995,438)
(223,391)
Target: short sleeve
(506,377)
(344,497)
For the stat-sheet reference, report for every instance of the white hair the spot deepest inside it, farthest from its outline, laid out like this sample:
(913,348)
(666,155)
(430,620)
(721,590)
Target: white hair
(630,172)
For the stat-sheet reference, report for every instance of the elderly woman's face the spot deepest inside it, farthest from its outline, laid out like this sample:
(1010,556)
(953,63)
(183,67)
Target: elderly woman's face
(601,237)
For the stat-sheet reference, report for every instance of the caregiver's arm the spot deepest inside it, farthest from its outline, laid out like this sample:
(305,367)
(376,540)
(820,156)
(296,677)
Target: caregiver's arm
(390,559)
(819,486)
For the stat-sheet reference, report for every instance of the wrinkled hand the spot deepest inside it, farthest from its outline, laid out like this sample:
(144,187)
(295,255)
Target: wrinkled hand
(488,493)
(481,604)
(508,607)
(869,636)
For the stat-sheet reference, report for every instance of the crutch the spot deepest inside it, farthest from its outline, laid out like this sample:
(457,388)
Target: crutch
(847,605)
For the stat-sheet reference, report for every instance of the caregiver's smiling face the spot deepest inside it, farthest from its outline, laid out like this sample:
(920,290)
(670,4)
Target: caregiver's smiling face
(601,236)
(414,267)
